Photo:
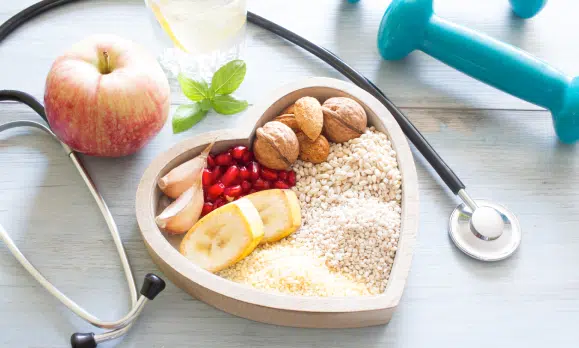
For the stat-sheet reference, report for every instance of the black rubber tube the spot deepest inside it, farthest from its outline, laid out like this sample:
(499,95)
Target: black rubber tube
(24,98)
(439,165)
(444,171)
(28,13)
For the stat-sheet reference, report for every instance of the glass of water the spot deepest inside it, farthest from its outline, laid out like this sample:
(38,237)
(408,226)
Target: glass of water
(198,36)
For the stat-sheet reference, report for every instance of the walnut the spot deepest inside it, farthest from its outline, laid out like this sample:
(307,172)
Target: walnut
(276,146)
(344,119)
(314,151)
(289,120)
(309,116)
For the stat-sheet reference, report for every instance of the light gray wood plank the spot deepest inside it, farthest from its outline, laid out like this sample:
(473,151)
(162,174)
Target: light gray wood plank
(349,30)
(515,162)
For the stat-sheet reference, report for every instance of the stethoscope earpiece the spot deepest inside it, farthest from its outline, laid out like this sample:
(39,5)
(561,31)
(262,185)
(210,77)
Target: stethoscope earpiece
(83,340)
(152,284)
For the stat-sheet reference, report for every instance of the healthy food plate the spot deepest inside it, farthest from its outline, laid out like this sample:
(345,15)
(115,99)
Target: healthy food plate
(308,219)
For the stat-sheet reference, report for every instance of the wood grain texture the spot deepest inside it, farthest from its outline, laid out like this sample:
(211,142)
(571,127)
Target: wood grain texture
(503,154)
(281,309)
(347,29)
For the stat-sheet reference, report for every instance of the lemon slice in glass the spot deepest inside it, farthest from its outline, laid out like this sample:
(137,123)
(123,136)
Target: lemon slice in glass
(165,24)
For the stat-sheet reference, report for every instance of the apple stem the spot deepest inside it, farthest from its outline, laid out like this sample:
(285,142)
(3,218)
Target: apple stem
(106,69)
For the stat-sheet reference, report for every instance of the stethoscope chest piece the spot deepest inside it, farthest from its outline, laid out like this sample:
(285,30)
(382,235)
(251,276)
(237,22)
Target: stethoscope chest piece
(490,233)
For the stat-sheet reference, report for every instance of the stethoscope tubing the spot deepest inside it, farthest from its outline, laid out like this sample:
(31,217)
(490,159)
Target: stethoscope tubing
(422,145)
(137,302)
(412,133)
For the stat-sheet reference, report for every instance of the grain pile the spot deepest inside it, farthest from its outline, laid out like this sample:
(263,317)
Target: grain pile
(350,226)
(291,269)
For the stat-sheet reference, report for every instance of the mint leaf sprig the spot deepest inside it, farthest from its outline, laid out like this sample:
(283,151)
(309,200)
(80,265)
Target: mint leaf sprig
(225,81)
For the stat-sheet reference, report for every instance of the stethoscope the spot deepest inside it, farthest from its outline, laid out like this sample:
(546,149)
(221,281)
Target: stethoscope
(152,285)
(482,229)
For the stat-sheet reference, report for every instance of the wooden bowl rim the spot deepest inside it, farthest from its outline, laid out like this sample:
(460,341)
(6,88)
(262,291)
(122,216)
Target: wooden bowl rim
(409,228)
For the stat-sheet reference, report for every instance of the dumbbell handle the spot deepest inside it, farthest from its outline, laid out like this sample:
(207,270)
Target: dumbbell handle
(495,63)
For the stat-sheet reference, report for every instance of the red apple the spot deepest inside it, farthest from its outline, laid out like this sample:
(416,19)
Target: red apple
(106,96)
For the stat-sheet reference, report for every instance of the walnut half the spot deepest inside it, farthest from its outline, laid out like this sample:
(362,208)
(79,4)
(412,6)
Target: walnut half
(276,146)
(344,119)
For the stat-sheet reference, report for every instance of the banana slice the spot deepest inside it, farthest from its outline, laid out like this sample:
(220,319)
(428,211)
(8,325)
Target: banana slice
(224,236)
(279,211)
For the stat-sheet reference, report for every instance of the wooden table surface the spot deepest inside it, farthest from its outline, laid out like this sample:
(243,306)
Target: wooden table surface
(503,149)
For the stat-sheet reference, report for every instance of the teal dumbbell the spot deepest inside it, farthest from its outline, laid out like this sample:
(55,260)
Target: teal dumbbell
(522,8)
(411,24)
(527,8)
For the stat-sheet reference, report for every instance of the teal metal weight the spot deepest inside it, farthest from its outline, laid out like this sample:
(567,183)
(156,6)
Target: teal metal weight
(522,8)
(411,24)
(527,8)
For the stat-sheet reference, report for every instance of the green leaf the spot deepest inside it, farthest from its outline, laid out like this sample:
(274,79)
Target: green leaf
(210,94)
(205,104)
(228,78)
(194,90)
(187,116)
(227,105)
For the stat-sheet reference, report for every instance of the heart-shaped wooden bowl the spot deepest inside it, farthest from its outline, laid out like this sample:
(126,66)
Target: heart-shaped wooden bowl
(245,301)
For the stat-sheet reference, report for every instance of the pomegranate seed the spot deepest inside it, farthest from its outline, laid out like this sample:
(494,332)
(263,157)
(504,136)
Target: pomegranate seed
(291,178)
(280,185)
(244,173)
(215,190)
(230,175)
(238,152)
(233,191)
(245,186)
(247,157)
(252,191)
(205,196)
(207,208)
(282,175)
(268,174)
(217,172)
(219,202)
(207,177)
(210,161)
(224,159)
(261,184)
(253,168)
